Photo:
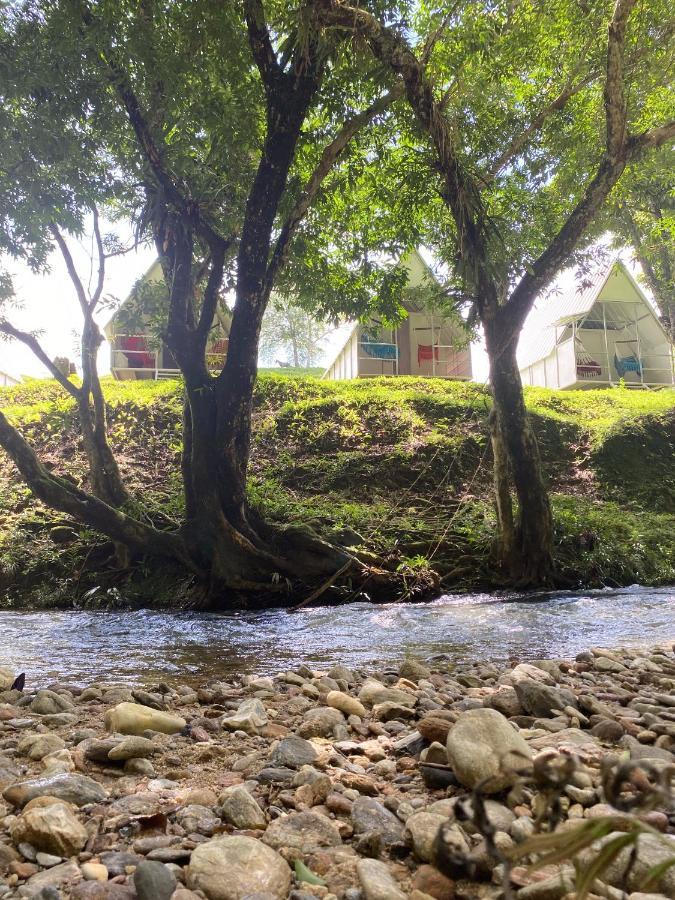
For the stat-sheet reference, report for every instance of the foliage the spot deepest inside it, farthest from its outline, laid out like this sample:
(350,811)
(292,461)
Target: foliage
(642,216)
(292,336)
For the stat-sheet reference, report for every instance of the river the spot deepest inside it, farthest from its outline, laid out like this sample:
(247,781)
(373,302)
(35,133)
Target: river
(144,645)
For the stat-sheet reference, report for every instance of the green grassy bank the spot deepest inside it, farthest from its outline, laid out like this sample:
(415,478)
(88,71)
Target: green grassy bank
(400,466)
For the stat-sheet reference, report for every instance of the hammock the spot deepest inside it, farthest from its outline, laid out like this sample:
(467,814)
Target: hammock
(378,349)
(426,353)
(624,364)
(587,367)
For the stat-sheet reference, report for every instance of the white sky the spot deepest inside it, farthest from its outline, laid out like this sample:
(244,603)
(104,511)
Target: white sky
(50,305)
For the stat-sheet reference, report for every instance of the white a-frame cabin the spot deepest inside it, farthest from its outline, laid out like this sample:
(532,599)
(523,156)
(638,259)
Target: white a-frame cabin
(425,344)
(604,334)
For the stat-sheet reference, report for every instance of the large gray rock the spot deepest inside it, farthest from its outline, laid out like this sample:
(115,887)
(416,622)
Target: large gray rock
(302,831)
(483,748)
(374,692)
(540,699)
(51,829)
(369,816)
(293,752)
(237,807)
(232,868)
(77,789)
(320,722)
(249,717)
(154,881)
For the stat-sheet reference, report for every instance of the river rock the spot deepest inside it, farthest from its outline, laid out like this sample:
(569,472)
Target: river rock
(51,829)
(414,670)
(7,677)
(350,706)
(652,851)
(374,692)
(133,718)
(388,710)
(302,831)
(38,746)
(421,830)
(293,752)
(377,882)
(249,717)
(434,727)
(526,671)
(133,748)
(233,868)
(154,881)
(49,703)
(320,722)
(504,700)
(237,807)
(540,699)
(369,816)
(7,855)
(51,880)
(76,789)
(483,745)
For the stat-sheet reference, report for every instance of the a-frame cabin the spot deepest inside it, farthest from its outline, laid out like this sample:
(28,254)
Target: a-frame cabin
(604,334)
(425,344)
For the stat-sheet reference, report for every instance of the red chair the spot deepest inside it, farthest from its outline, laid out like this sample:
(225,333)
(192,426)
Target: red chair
(135,348)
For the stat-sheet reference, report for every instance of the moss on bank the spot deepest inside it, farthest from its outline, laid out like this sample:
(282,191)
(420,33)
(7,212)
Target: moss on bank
(401,466)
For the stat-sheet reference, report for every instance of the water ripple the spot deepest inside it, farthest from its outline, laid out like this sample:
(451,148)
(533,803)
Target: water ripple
(146,644)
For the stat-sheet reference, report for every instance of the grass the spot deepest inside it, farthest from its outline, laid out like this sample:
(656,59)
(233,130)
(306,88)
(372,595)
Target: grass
(401,466)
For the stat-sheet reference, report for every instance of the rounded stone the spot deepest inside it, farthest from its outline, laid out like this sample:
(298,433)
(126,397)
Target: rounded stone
(232,868)
(483,748)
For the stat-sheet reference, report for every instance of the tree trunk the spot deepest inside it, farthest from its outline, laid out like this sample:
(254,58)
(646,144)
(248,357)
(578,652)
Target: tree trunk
(526,548)
(104,473)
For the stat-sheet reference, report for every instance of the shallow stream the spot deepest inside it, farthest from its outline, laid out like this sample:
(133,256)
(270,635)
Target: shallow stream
(145,645)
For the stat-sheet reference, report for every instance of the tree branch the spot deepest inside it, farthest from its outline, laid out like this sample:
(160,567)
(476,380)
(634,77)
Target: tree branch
(260,42)
(96,296)
(329,158)
(72,271)
(34,346)
(151,149)
(60,494)
(521,139)
(614,99)
(210,300)
(619,149)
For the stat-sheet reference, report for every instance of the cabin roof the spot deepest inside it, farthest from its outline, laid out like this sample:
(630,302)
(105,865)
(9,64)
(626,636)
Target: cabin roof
(538,338)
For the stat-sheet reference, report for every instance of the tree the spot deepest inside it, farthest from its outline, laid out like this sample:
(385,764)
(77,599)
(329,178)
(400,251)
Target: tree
(218,131)
(290,331)
(528,130)
(104,474)
(643,216)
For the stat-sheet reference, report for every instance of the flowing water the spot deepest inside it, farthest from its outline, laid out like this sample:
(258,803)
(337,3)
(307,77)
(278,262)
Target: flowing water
(146,645)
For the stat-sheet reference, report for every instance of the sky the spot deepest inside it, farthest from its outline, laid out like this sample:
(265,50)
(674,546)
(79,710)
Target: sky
(49,304)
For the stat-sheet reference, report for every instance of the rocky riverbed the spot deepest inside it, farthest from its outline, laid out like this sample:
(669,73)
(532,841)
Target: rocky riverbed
(423,781)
